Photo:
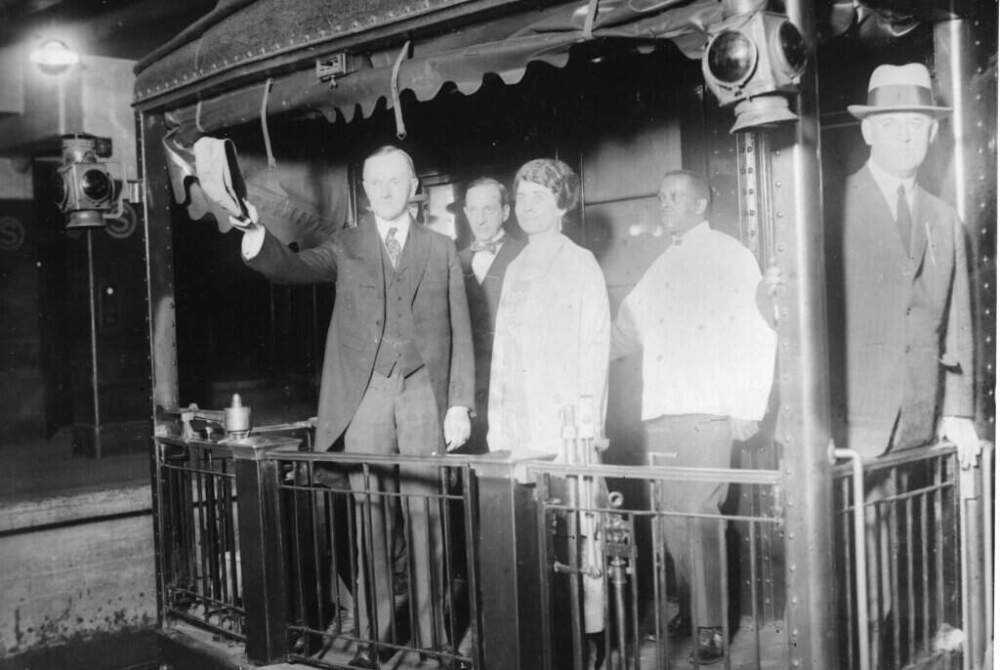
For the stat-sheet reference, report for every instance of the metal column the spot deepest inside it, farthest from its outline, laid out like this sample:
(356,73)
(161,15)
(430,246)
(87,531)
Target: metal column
(803,369)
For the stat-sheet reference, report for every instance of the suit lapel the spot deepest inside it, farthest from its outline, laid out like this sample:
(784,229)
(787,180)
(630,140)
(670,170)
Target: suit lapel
(920,232)
(416,257)
(508,250)
(369,248)
(880,216)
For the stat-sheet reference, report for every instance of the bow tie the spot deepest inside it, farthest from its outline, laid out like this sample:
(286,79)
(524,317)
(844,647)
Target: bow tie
(490,246)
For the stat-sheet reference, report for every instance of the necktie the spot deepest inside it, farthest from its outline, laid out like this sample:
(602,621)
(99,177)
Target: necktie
(392,246)
(903,219)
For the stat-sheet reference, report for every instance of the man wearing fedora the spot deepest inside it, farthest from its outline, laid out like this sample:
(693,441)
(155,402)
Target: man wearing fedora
(899,278)
(899,289)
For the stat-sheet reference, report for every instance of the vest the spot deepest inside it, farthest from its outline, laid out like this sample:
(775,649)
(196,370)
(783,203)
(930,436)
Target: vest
(397,351)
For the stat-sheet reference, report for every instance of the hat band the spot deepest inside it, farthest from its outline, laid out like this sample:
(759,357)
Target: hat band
(900,95)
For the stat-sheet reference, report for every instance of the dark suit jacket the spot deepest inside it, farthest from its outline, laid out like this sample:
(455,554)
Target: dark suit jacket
(483,301)
(351,259)
(904,318)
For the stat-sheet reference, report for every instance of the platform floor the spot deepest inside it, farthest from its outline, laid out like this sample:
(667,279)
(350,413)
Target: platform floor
(770,654)
(38,468)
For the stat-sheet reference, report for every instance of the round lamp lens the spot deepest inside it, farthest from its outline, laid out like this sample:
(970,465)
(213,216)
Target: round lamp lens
(731,57)
(95,184)
(793,47)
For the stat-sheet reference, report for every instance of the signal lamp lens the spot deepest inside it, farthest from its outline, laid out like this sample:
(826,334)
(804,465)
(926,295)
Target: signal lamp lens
(95,184)
(793,47)
(731,57)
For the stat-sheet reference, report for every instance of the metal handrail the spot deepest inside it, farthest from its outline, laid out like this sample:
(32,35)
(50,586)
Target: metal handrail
(895,458)
(646,472)
(860,554)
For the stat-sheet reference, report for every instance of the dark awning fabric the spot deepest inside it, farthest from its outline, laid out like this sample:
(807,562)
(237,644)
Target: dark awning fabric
(497,43)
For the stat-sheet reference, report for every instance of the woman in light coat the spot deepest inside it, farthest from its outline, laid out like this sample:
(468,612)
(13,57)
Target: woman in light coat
(553,326)
(548,380)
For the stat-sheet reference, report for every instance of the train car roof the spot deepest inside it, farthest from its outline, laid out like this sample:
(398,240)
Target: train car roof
(344,56)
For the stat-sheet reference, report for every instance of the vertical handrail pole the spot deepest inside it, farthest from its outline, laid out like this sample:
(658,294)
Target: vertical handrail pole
(860,552)
(987,496)
(964,495)
(262,547)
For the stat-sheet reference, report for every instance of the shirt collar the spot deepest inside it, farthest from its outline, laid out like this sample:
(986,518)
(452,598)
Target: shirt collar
(889,184)
(693,233)
(402,226)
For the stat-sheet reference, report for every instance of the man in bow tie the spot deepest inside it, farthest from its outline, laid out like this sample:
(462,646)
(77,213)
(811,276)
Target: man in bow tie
(397,378)
(484,263)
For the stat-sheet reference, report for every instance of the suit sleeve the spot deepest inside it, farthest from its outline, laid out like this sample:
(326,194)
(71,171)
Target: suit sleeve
(461,382)
(284,266)
(958,382)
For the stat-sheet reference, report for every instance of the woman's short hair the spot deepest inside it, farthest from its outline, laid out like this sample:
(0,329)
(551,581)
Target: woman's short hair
(554,175)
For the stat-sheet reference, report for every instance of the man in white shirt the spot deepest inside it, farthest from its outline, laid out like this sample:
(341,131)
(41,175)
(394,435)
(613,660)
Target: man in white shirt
(397,378)
(707,367)
(484,264)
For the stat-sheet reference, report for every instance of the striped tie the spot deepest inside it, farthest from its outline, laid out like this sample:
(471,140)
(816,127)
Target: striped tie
(392,246)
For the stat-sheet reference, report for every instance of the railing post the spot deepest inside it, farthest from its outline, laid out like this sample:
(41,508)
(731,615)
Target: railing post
(262,551)
(509,571)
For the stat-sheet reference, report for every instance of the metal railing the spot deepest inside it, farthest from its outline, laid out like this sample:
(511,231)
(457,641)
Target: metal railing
(377,558)
(490,562)
(608,590)
(200,568)
(914,562)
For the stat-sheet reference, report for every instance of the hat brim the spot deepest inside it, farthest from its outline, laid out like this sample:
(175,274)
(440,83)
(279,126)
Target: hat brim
(863,111)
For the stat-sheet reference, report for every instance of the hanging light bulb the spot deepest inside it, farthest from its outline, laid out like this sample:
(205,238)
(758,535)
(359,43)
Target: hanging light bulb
(54,57)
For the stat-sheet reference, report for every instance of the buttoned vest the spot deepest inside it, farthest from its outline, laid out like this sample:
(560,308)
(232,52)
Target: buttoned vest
(397,351)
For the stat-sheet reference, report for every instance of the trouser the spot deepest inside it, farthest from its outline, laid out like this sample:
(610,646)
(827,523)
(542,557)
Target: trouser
(398,415)
(695,543)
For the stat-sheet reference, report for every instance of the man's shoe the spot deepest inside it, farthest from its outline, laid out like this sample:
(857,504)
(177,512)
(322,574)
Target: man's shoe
(710,649)
(367,658)
(364,658)
(679,627)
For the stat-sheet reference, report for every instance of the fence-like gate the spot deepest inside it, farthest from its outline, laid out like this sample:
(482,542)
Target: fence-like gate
(923,538)
(473,562)
(377,558)
(613,569)
(200,570)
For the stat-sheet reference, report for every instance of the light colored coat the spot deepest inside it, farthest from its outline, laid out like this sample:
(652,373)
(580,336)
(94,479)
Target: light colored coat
(550,349)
